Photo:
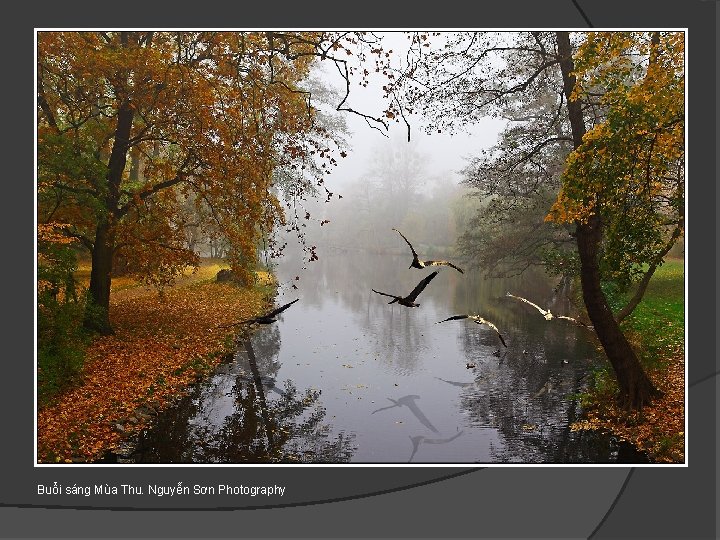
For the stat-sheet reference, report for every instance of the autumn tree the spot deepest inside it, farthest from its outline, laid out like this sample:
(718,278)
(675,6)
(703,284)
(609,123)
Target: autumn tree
(622,178)
(628,172)
(130,124)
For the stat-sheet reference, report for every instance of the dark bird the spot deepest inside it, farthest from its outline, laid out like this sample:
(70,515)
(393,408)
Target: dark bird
(546,312)
(477,319)
(264,319)
(409,300)
(417,263)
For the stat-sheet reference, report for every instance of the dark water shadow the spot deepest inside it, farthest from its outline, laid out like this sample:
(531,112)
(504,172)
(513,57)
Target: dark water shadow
(231,418)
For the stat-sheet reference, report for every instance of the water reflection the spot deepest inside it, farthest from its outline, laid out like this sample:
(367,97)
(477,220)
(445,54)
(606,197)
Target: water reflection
(339,378)
(421,439)
(409,402)
(241,423)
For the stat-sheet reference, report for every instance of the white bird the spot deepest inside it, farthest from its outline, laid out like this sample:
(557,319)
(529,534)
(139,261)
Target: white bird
(477,319)
(546,312)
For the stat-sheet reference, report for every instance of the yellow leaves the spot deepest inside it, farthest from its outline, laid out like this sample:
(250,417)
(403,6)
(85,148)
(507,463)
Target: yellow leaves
(609,59)
(264,278)
(205,103)
(576,200)
(43,285)
(633,156)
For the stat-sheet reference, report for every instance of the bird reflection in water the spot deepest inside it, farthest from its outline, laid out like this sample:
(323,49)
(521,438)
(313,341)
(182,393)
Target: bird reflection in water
(409,402)
(457,383)
(420,439)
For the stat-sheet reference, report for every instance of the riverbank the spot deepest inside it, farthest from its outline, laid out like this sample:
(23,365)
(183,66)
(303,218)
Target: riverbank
(160,346)
(657,331)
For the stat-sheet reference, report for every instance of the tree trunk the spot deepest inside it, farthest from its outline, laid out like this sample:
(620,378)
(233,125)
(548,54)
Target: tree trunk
(97,314)
(635,387)
(645,281)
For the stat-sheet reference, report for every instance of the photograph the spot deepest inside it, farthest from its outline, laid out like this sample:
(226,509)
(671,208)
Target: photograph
(355,248)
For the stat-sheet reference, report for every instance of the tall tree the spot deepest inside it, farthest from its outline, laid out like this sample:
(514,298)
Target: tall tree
(131,123)
(478,74)
(629,168)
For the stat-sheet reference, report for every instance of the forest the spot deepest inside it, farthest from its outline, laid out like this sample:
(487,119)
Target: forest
(186,180)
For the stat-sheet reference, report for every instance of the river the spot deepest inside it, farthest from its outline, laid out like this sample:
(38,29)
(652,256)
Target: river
(344,377)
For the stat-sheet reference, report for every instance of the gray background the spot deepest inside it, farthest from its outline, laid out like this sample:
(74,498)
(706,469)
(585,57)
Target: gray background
(527,502)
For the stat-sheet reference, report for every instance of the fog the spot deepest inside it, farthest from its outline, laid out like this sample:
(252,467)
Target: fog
(386,180)
(445,152)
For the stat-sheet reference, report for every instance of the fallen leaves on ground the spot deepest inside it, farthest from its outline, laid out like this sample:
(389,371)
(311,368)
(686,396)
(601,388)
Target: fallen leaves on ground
(659,428)
(160,346)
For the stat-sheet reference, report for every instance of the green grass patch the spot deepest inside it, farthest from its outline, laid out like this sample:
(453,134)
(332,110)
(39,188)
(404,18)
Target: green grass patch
(656,327)
(657,324)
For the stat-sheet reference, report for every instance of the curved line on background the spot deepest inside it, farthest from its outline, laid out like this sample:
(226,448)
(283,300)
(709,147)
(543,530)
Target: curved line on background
(584,16)
(612,506)
(703,379)
(260,507)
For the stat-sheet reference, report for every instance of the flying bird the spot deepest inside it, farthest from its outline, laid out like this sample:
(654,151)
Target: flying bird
(477,319)
(265,319)
(546,312)
(409,300)
(417,263)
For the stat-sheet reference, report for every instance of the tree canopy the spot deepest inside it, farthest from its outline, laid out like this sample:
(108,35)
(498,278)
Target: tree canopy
(597,126)
(134,128)
(629,169)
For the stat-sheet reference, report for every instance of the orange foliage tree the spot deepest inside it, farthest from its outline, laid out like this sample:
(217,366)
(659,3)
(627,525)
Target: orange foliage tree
(132,125)
(624,183)
(598,115)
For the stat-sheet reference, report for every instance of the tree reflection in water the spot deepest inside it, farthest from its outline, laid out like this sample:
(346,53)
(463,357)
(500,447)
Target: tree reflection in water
(233,418)
(510,405)
(529,396)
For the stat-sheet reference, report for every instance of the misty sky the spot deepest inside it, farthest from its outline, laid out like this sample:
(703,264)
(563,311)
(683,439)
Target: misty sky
(444,152)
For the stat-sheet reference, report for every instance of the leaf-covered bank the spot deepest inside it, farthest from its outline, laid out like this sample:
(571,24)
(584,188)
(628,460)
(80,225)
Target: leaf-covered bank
(657,330)
(160,346)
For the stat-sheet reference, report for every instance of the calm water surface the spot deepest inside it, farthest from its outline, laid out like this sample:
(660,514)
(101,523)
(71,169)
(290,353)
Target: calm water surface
(345,377)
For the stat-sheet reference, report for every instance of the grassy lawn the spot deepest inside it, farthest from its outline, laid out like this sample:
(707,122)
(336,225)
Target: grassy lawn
(656,328)
(657,325)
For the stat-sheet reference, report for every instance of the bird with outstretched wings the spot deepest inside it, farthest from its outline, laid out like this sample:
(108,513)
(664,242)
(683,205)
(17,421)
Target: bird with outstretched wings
(546,312)
(268,318)
(478,320)
(409,300)
(417,263)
